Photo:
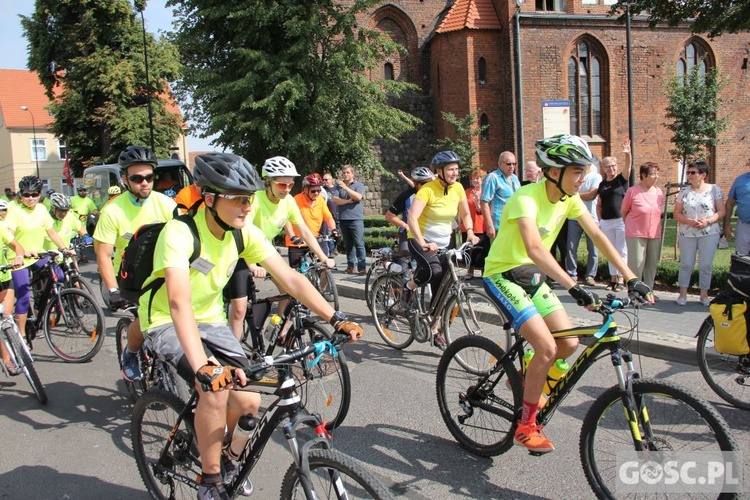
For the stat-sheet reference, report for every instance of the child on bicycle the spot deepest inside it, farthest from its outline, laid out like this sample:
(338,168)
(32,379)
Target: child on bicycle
(184,320)
(519,262)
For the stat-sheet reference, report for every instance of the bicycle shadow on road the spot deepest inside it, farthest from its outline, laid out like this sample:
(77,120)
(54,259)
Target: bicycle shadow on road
(44,482)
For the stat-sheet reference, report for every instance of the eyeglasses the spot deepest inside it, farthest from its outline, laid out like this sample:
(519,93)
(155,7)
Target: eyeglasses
(693,172)
(283,185)
(140,178)
(29,195)
(510,163)
(238,199)
(314,191)
(326,179)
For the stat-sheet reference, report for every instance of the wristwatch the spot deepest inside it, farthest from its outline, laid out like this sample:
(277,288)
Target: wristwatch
(113,290)
(337,316)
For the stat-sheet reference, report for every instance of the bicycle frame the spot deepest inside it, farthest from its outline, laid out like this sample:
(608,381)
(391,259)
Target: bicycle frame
(450,286)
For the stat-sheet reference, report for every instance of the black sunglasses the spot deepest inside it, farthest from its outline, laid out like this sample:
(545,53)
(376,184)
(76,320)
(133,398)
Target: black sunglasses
(140,178)
(29,195)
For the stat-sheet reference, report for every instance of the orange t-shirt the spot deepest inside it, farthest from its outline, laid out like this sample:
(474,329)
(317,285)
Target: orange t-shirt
(314,214)
(187,196)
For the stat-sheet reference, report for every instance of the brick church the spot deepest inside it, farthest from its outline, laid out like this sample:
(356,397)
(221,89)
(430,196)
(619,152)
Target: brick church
(547,65)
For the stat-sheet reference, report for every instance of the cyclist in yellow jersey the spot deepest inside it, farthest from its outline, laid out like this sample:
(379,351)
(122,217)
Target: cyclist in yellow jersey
(7,296)
(520,260)
(82,205)
(185,321)
(65,223)
(30,223)
(119,220)
(430,215)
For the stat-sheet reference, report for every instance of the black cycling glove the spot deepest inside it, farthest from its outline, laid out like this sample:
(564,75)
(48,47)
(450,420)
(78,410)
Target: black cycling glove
(296,240)
(638,290)
(584,297)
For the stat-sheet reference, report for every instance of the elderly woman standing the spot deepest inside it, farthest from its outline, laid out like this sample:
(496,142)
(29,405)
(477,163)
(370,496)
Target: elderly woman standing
(698,210)
(641,210)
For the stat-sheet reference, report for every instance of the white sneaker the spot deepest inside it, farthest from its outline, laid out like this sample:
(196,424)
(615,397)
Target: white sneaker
(706,302)
(681,301)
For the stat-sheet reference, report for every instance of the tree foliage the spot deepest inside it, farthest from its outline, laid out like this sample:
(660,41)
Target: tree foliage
(694,106)
(288,78)
(89,58)
(467,131)
(713,17)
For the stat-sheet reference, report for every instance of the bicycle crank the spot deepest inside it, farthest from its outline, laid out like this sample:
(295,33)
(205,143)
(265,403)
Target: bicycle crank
(420,328)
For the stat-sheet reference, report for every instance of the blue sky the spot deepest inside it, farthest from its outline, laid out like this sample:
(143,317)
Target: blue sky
(13,52)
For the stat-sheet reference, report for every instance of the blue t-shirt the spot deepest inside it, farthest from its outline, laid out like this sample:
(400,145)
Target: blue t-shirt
(740,193)
(497,190)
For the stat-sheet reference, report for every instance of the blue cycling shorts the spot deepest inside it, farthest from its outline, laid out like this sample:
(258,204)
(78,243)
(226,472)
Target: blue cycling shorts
(516,304)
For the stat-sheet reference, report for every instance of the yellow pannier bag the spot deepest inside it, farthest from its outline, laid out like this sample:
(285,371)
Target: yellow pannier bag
(729,312)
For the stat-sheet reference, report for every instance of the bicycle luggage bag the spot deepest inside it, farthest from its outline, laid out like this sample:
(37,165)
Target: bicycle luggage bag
(730,314)
(739,274)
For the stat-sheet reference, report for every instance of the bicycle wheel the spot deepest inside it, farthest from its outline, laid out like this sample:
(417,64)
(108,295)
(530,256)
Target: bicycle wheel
(478,399)
(326,285)
(82,284)
(170,473)
(726,374)
(670,418)
(26,363)
(135,389)
(325,388)
(74,325)
(375,271)
(472,312)
(333,475)
(388,312)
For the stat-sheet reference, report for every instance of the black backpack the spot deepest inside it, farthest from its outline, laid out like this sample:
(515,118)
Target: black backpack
(138,259)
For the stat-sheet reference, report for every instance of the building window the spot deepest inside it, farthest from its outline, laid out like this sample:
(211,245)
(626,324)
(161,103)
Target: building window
(482,71)
(62,150)
(550,5)
(484,124)
(388,71)
(38,149)
(585,90)
(692,55)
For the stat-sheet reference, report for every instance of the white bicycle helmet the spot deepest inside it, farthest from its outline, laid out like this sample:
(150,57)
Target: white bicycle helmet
(278,166)
(3,205)
(59,201)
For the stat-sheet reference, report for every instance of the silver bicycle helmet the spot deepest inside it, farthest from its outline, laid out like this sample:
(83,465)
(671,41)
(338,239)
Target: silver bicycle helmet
(278,166)
(422,174)
(59,201)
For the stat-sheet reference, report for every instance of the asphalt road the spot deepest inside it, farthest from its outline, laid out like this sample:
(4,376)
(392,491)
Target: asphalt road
(78,445)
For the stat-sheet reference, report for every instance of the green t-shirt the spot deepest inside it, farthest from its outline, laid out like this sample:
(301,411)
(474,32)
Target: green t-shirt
(272,217)
(173,250)
(47,203)
(29,226)
(6,254)
(531,202)
(439,212)
(82,206)
(120,218)
(66,229)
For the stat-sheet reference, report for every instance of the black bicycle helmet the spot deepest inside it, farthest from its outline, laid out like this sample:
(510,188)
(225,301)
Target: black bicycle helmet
(134,155)
(220,172)
(443,158)
(422,174)
(30,184)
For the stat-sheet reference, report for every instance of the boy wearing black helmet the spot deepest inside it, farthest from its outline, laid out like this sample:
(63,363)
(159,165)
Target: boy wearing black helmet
(516,267)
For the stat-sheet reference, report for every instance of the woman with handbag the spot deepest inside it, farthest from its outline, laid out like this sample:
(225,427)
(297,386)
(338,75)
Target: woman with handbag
(698,210)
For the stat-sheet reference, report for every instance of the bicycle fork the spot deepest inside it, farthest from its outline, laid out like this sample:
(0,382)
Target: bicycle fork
(635,411)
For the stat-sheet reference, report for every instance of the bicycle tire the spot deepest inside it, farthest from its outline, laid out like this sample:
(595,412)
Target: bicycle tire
(326,388)
(154,419)
(82,284)
(330,470)
(390,319)
(74,325)
(22,354)
(329,292)
(375,271)
(728,375)
(473,312)
(695,426)
(479,411)
(138,387)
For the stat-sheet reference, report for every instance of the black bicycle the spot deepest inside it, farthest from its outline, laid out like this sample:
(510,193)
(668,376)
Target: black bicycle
(479,391)
(72,321)
(166,450)
(320,275)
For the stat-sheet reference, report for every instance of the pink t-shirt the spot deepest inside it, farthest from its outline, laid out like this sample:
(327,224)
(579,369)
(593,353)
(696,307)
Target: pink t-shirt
(644,211)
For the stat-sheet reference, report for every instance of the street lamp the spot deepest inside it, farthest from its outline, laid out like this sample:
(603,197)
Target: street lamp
(140,6)
(33,128)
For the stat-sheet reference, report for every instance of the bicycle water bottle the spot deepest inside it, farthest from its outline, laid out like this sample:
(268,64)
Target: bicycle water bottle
(273,326)
(245,428)
(527,359)
(304,266)
(555,374)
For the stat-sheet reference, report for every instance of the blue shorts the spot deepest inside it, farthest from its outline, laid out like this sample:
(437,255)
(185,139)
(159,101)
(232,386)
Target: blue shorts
(516,303)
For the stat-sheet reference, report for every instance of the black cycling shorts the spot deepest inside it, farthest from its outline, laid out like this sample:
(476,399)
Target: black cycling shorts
(238,284)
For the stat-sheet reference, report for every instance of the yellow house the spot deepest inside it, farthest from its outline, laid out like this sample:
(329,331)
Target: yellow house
(27,145)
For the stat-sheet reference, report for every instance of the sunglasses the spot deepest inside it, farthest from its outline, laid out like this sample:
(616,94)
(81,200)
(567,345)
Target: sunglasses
(29,195)
(508,163)
(314,191)
(693,172)
(284,185)
(238,199)
(140,178)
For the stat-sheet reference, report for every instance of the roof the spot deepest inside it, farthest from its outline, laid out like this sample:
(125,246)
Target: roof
(470,14)
(20,87)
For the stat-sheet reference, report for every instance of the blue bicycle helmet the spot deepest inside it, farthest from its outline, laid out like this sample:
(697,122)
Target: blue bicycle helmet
(443,158)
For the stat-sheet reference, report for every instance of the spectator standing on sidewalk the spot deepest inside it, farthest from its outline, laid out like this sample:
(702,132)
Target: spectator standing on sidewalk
(531,173)
(328,189)
(739,194)
(588,194)
(497,188)
(641,211)
(473,197)
(698,210)
(349,197)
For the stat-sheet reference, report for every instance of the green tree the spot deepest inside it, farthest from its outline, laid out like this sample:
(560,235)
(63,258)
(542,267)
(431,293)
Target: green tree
(89,57)
(288,78)
(694,106)
(713,17)
(466,132)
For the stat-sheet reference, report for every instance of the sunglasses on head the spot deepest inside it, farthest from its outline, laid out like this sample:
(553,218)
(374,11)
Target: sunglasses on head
(140,178)
(238,199)
(29,195)
(283,185)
